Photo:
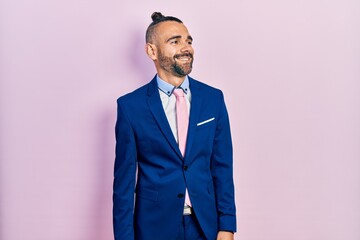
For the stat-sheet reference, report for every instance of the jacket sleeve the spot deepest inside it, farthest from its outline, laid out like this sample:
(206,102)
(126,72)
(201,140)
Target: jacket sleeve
(124,176)
(222,171)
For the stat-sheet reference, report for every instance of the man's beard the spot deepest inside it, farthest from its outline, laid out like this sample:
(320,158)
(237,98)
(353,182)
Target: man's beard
(171,65)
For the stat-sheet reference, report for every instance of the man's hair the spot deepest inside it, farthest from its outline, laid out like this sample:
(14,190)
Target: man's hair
(157,18)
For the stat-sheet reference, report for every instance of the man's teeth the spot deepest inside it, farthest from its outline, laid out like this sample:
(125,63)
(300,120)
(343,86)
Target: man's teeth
(184,58)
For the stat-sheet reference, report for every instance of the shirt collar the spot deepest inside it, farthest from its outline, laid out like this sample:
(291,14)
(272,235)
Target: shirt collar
(168,89)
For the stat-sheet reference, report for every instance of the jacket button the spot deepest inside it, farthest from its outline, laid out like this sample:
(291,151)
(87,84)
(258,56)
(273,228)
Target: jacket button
(185,168)
(180,195)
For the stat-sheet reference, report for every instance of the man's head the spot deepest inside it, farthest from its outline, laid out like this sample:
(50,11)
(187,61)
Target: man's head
(168,44)
(157,18)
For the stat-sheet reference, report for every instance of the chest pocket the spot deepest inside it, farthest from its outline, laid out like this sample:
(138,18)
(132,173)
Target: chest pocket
(205,131)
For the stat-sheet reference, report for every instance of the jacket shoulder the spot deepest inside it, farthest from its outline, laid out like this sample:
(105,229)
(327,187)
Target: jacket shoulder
(205,88)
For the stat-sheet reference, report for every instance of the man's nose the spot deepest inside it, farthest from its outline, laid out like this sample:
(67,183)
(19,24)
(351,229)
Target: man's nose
(186,47)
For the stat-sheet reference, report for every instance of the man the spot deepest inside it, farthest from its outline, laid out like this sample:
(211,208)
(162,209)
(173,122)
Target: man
(174,144)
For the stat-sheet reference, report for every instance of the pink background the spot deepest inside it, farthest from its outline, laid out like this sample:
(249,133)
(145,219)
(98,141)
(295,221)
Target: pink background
(290,71)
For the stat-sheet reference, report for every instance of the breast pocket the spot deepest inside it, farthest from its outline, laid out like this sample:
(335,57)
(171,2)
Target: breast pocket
(205,133)
(206,127)
(207,122)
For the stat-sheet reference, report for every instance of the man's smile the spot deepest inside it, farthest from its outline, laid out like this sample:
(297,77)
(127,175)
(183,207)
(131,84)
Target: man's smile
(184,57)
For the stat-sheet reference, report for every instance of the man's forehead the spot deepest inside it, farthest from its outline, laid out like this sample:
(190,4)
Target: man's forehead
(169,28)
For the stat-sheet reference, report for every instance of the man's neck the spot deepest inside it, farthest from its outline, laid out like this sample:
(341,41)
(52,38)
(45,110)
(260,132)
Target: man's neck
(173,80)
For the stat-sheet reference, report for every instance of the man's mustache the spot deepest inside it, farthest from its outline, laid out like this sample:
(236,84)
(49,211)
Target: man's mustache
(183,55)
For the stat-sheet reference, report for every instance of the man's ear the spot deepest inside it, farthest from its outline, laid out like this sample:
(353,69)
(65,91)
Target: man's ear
(151,51)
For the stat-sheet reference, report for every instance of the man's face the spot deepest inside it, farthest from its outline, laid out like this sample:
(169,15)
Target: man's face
(174,48)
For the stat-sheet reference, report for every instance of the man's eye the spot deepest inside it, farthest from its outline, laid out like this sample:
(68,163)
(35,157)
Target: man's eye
(190,43)
(175,42)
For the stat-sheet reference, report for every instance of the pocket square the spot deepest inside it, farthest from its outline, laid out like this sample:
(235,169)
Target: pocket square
(206,121)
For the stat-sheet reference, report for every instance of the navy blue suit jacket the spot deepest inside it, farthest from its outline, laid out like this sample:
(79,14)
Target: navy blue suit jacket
(151,206)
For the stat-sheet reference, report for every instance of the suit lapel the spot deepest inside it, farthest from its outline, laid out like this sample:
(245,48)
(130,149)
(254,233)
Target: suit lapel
(157,110)
(194,114)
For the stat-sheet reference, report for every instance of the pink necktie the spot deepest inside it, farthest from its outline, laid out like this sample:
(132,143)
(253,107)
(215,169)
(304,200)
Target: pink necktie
(182,118)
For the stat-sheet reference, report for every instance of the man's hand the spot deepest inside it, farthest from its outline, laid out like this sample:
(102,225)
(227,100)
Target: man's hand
(223,235)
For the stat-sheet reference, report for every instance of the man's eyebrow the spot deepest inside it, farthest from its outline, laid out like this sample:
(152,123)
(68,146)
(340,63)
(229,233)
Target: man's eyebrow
(178,36)
(173,37)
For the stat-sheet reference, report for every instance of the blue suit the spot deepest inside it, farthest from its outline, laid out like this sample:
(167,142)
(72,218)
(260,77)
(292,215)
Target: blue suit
(145,143)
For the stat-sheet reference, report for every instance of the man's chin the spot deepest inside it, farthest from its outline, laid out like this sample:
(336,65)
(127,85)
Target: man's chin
(183,70)
(183,73)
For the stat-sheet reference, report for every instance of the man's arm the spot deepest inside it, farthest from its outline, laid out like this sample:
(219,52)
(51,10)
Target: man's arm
(222,172)
(124,177)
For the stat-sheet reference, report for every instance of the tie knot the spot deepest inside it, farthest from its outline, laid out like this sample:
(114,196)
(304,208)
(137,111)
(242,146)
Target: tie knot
(178,92)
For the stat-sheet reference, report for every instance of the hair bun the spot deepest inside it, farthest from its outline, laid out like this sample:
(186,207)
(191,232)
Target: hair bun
(156,16)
